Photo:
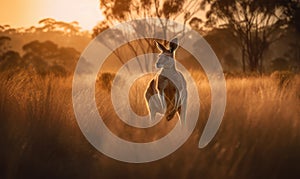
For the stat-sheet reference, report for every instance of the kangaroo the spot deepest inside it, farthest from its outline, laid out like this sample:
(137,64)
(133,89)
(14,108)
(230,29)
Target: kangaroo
(169,88)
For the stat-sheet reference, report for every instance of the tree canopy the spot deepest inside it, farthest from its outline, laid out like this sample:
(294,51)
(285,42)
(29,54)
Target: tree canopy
(43,57)
(116,11)
(255,23)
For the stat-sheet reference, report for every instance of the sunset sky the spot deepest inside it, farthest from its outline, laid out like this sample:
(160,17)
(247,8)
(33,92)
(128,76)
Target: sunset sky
(25,13)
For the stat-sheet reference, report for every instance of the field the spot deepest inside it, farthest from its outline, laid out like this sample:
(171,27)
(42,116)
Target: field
(258,138)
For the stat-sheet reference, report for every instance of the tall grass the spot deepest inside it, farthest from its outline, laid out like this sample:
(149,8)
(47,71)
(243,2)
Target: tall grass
(258,138)
(39,127)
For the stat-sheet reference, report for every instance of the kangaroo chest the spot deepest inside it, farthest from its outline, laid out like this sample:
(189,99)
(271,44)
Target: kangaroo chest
(170,79)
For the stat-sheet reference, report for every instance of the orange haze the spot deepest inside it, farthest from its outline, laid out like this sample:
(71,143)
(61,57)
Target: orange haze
(25,13)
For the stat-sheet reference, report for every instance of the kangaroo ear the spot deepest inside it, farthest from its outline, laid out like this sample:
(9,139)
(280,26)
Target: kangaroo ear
(173,44)
(160,46)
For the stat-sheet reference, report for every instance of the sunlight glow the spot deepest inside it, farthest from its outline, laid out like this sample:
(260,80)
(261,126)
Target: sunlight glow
(26,13)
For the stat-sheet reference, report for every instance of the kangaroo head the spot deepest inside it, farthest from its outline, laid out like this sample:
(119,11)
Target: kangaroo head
(166,57)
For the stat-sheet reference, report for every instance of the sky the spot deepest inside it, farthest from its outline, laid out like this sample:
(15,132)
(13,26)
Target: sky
(25,13)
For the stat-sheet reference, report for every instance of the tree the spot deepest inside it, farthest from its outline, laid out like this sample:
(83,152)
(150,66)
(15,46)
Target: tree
(51,25)
(197,24)
(9,60)
(292,11)
(46,57)
(255,23)
(4,44)
(100,27)
(124,10)
(116,11)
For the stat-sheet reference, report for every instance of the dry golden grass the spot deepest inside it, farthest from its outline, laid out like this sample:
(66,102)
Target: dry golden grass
(258,138)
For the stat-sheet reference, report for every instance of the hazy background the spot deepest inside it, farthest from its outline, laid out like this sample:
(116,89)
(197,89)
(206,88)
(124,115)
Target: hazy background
(257,43)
